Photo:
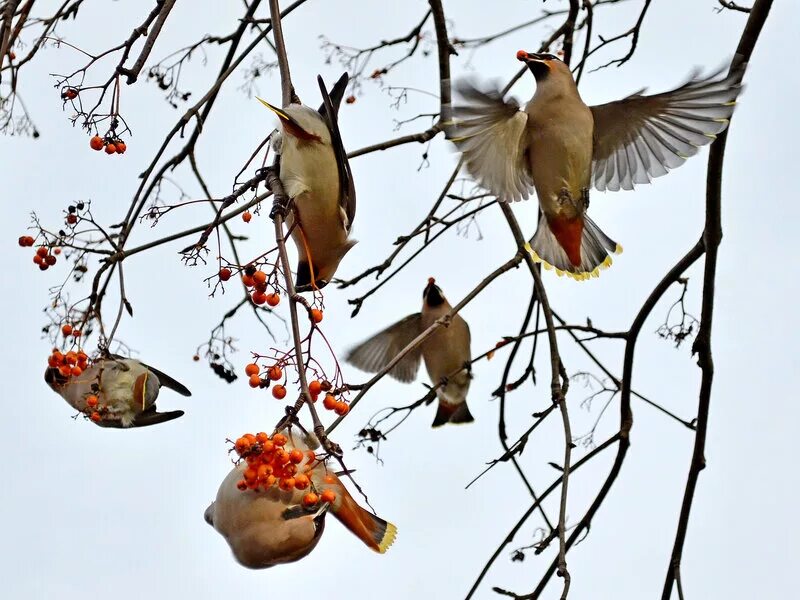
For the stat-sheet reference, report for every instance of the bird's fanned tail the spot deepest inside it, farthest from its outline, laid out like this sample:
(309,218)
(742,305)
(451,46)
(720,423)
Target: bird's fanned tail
(575,247)
(370,529)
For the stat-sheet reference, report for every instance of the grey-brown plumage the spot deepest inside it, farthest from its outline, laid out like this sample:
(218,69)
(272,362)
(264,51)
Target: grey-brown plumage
(264,528)
(315,174)
(562,147)
(126,390)
(446,353)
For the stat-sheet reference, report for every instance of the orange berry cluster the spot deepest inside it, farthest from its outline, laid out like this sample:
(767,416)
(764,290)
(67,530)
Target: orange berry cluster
(25,241)
(69,364)
(94,412)
(274,373)
(112,145)
(257,279)
(43,256)
(271,462)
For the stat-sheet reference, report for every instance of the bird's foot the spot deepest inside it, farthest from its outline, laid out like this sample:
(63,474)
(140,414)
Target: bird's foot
(564,197)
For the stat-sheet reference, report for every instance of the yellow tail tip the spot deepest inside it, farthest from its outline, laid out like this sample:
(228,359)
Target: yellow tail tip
(388,538)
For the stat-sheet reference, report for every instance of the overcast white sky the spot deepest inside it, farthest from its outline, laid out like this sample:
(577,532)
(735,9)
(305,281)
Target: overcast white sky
(91,512)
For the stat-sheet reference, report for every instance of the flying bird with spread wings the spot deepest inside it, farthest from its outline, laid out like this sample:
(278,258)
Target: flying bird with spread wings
(561,147)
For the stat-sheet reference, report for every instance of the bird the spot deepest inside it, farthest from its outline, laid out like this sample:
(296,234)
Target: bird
(123,391)
(267,527)
(446,353)
(561,147)
(316,176)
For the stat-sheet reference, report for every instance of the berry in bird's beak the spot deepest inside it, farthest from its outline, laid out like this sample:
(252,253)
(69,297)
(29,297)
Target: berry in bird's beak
(522,55)
(431,281)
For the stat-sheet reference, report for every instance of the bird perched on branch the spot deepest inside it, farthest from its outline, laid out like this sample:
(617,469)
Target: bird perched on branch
(446,352)
(267,522)
(560,146)
(121,391)
(315,174)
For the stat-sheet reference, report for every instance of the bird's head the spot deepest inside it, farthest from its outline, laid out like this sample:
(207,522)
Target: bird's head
(302,123)
(543,65)
(54,378)
(432,294)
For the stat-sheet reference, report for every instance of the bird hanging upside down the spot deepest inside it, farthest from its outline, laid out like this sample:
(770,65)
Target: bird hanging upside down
(124,391)
(315,174)
(271,523)
(446,353)
(560,146)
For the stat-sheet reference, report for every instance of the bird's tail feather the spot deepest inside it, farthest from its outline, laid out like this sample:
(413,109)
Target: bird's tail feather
(575,247)
(370,529)
(452,413)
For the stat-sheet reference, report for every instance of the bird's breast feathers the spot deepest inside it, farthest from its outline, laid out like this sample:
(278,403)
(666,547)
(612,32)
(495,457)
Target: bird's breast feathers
(309,167)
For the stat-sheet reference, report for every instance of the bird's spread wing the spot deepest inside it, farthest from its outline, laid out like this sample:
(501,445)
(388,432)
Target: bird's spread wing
(375,353)
(329,111)
(490,133)
(642,137)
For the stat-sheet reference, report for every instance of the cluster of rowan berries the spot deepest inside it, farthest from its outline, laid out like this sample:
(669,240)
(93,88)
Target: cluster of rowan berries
(72,213)
(274,373)
(44,257)
(315,387)
(93,410)
(256,280)
(271,462)
(69,364)
(111,144)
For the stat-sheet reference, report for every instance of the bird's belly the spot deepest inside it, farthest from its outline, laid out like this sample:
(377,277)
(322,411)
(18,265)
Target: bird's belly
(445,352)
(561,160)
(321,221)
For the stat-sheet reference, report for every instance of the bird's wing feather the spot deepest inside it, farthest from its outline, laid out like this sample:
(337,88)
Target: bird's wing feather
(642,137)
(329,111)
(165,380)
(375,353)
(490,133)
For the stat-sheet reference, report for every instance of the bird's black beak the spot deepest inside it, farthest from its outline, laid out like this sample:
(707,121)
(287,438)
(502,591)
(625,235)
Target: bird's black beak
(537,63)
(432,294)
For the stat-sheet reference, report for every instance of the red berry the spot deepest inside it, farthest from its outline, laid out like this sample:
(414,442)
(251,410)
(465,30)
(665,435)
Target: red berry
(279,392)
(224,274)
(121,147)
(96,143)
(251,369)
(273,299)
(316,315)
(275,373)
(254,381)
(42,251)
(111,149)
(259,297)
(72,219)
(246,216)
